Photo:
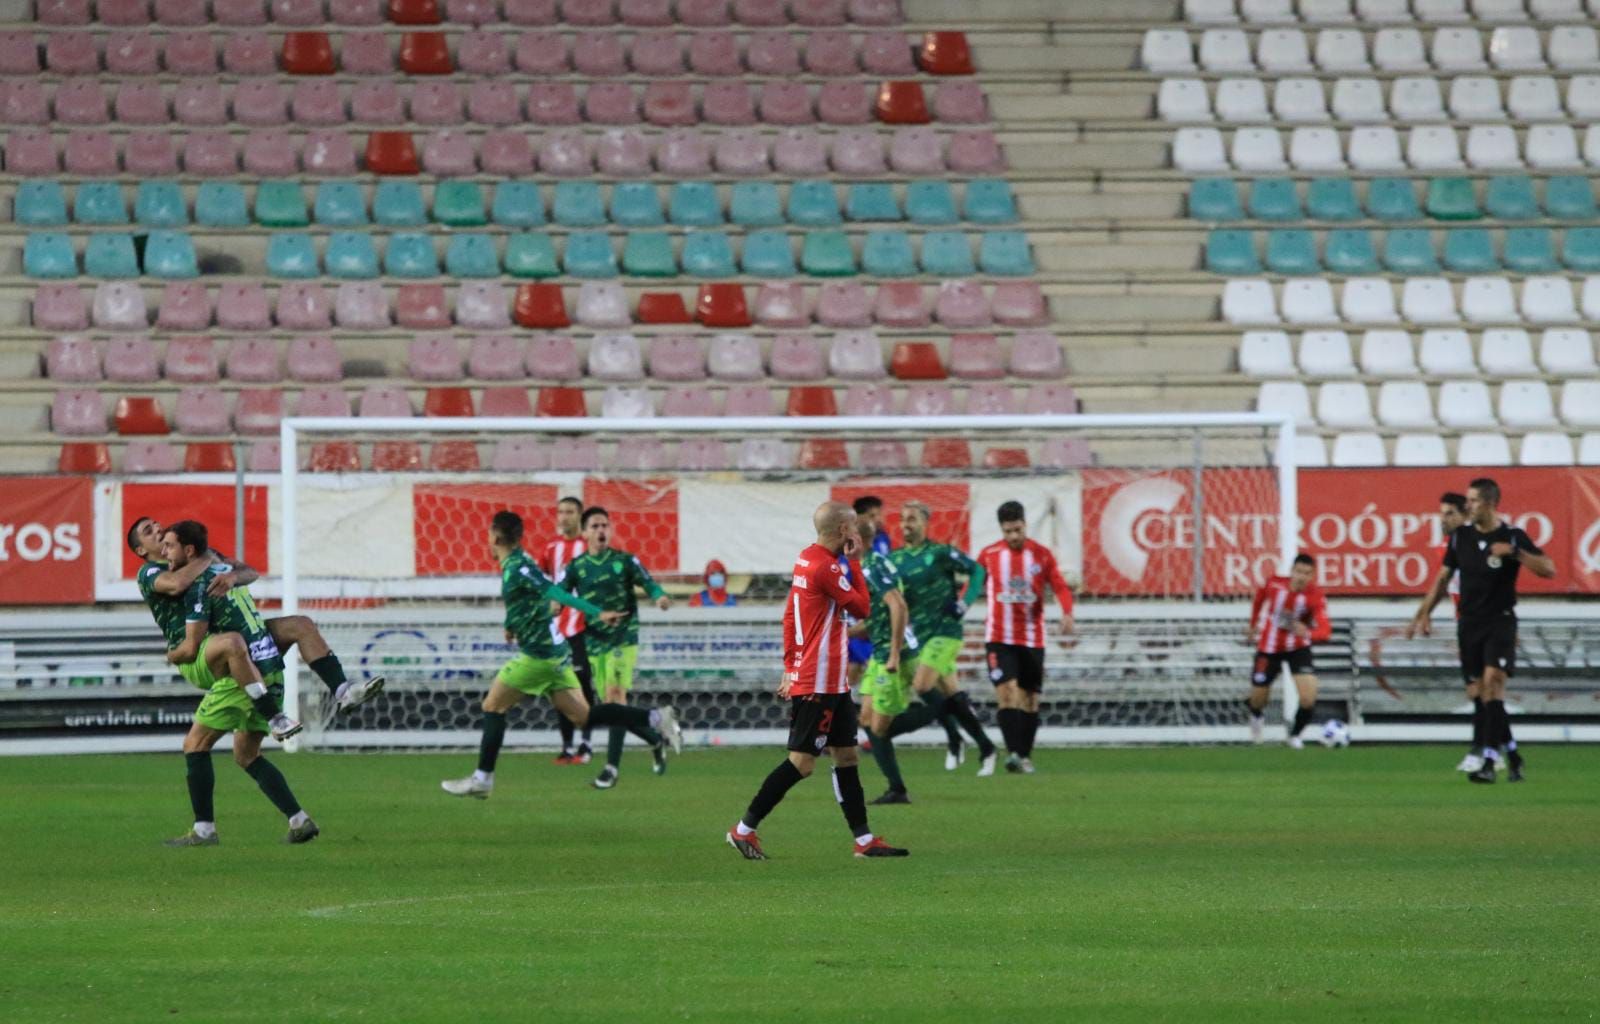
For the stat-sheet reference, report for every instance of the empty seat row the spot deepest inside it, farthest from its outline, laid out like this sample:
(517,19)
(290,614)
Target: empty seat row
(1287,50)
(1422,300)
(277,203)
(450,152)
(1505,197)
(322,103)
(1462,404)
(639,13)
(1367,101)
(1443,352)
(1403,251)
(483,305)
(1378,149)
(1367,448)
(1269,12)
(731,355)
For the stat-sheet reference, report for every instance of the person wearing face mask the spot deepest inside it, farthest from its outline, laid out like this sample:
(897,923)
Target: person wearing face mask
(716,593)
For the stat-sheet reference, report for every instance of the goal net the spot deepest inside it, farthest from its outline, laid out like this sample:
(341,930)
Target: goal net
(1163,527)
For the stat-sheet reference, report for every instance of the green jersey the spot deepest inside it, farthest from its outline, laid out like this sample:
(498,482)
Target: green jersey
(167,609)
(928,580)
(526,591)
(608,581)
(881,578)
(233,612)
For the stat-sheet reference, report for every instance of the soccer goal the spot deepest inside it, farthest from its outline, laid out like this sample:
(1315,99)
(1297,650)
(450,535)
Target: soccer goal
(1162,524)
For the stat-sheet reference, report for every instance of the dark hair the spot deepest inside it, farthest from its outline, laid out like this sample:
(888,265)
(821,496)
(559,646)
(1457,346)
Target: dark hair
(133,534)
(576,503)
(191,534)
(592,511)
(866,503)
(1011,512)
(1305,560)
(1487,490)
(1454,500)
(507,527)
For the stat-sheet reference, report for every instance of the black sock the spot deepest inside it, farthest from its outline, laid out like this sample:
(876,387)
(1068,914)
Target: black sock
(329,671)
(1007,717)
(1253,711)
(615,740)
(274,785)
(269,705)
(1480,724)
(773,788)
(963,713)
(494,733)
(565,725)
(630,717)
(1302,718)
(202,784)
(852,800)
(918,715)
(952,726)
(586,682)
(883,753)
(1499,724)
(1030,729)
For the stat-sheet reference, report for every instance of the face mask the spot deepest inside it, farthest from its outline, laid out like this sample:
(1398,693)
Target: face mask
(717,581)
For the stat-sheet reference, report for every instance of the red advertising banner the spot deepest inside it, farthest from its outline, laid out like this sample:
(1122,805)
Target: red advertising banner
(644,518)
(211,504)
(451,523)
(950,521)
(1582,567)
(46,527)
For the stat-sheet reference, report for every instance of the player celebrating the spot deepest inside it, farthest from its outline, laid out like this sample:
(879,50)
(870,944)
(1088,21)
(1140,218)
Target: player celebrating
(928,573)
(869,512)
(543,667)
(606,577)
(567,545)
(822,718)
(1288,616)
(1488,554)
(890,670)
(1017,571)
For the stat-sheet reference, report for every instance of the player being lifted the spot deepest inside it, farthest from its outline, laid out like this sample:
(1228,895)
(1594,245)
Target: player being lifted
(1017,572)
(928,573)
(563,548)
(822,718)
(543,668)
(1489,554)
(1288,616)
(607,578)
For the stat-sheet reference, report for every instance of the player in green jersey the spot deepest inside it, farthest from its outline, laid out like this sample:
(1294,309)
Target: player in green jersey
(886,682)
(543,666)
(928,575)
(610,578)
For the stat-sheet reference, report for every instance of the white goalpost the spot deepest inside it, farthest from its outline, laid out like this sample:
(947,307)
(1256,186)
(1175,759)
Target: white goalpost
(1163,524)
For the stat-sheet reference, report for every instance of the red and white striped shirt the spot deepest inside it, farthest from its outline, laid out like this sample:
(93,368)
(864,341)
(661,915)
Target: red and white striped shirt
(1015,586)
(557,553)
(815,638)
(1277,609)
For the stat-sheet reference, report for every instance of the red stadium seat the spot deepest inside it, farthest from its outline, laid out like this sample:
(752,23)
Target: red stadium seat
(140,414)
(902,103)
(396,456)
(722,305)
(1006,458)
(392,153)
(84,457)
(540,305)
(308,53)
(454,457)
(209,457)
(447,402)
(916,360)
(946,453)
(663,308)
(415,12)
(425,53)
(335,457)
(811,400)
(945,53)
(824,453)
(562,402)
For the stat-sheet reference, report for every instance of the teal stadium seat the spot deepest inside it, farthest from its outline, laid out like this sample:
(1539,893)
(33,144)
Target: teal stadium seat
(281,204)
(1231,251)
(220,204)
(111,255)
(768,254)
(1274,199)
(1510,197)
(1569,197)
(756,204)
(460,204)
(1410,251)
(517,204)
(872,201)
(290,254)
(826,253)
(531,255)
(1580,249)
(987,201)
(947,254)
(578,204)
(170,255)
(1393,199)
(814,203)
(1005,253)
(40,204)
(1215,199)
(1332,199)
(1292,251)
(589,254)
(888,254)
(636,204)
(708,254)
(159,204)
(340,204)
(410,254)
(1452,199)
(49,254)
(351,255)
(1469,251)
(1531,250)
(694,204)
(649,254)
(471,255)
(99,202)
(1349,251)
(398,204)
(932,202)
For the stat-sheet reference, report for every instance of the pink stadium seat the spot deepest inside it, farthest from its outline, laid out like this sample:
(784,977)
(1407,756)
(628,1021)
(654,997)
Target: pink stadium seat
(151,457)
(875,12)
(249,359)
(31,152)
(671,105)
(132,360)
(260,101)
(640,454)
(132,53)
(599,55)
(887,55)
(494,357)
(19,54)
(918,150)
(657,53)
(506,154)
(1066,453)
(483,305)
(146,103)
(437,102)
(976,152)
(677,357)
(72,358)
(210,154)
(249,53)
(119,306)
(884,456)
(314,359)
(689,401)
(1020,304)
(190,53)
(181,12)
(385,401)
(449,153)
(239,12)
(553,357)
(588,12)
(868,400)
(357,12)
(603,304)
(619,403)
(25,103)
(202,411)
(193,103)
(702,454)
(77,413)
(519,455)
(1037,354)
(800,152)
(575,455)
(328,152)
(646,13)
(148,154)
(742,151)
(781,304)
(831,53)
(991,400)
(682,152)
(565,154)
(844,102)
(472,12)
(611,103)
(748,400)
(184,306)
(365,53)
(976,357)
(266,456)
(542,53)
(435,358)
(421,307)
(63,12)
(758,13)
(773,54)
(786,102)
(901,304)
(322,401)
(506,401)
(494,103)
(317,101)
(728,103)
(1051,398)
(704,13)
(60,307)
(962,304)
(960,103)
(844,304)
(797,357)
(362,305)
(758,455)
(857,151)
(243,306)
(81,101)
(72,53)
(92,154)
(377,102)
(615,357)
(735,356)
(715,54)
(303,306)
(819,13)
(856,355)
(193,360)
(484,53)
(622,153)
(929,400)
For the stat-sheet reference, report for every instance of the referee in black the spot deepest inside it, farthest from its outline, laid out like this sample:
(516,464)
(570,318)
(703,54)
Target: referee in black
(1489,554)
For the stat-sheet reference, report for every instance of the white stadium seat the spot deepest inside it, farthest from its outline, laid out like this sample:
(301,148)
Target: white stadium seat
(1493,146)
(1548,300)
(1439,10)
(1488,300)
(1589,450)
(1326,11)
(1382,10)
(1283,51)
(1414,98)
(1506,352)
(1248,300)
(1266,354)
(1183,99)
(1258,149)
(1516,48)
(1166,51)
(1527,403)
(1568,352)
(1375,148)
(1553,147)
(1420,450)
(1310,452)
(1387,354)
(1428,300)
(1342,49)
(1556,10)
(1476,98)
(1591,298)
(1447,352)
(1545,448)
(1359,449)
(1534,98)
(1210,12)
(1591,145)
(1309,301)
(1433,147)
(1583,97)
(1242,99)
(1199,151)
(1499,10)
(1483,450)
(1326,354)
(1465,403)
(1368,300)
(1344,404)
(1580,403)
(1287,397)
(1574,48)
(1315,149)
(1299,99)
(1225,50)
(1268,12)
(1359,100)
(1458,49)
(1405,404)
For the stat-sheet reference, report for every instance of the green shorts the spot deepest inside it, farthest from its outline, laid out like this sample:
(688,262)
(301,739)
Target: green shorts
(613,668)
(891,691)
(197,672)
(940,654)
(537,677)
(227,708)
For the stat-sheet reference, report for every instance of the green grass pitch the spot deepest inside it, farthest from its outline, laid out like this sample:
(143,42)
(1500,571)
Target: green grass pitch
(1370,884)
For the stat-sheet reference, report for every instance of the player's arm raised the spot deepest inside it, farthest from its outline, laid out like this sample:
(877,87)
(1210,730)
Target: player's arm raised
(556,594)
(855,597)
(173,582)
(241,576)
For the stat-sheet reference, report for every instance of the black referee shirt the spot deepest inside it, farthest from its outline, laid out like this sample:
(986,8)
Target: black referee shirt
(1488,583)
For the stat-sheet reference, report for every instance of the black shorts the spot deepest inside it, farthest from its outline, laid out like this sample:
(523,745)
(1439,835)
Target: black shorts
(1013,661)
(1268,667)
(1487,643)
(820,720)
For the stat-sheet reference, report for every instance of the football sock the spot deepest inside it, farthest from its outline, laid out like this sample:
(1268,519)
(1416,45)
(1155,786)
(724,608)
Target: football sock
(1480,723)
(1302,718)
(615,739)
(847,790)
(961,706)
(263,701)
(1030,729)
(773,789)
(1007,717)
(952,726)
(202,784)
(586,683)
(629,718)
(329,671)
(918,715)
(274,785)
(1252,710)
(1499,724)
(494,732)
(883,753)
(565,725)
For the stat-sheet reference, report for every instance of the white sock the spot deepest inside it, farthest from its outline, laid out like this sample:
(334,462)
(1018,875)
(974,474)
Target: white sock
(479,775)
(299,818)
(205,829)
(255,689)
(864,840)
(741,830)
(655,718)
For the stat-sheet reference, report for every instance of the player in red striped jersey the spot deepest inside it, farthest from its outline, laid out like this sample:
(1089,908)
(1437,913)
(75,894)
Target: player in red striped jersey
(563,548)
(1288,616)
(822,717)
(1018,570)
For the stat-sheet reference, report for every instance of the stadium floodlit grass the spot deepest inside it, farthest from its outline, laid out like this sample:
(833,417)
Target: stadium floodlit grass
(1369,884)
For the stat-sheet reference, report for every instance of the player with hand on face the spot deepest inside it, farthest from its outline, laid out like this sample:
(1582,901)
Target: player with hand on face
(1288,616)
(558,551)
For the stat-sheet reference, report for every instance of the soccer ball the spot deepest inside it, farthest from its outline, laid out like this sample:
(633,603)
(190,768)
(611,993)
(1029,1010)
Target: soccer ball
(1335,733)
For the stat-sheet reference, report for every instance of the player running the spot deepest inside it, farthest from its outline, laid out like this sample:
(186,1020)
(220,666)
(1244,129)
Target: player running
(1017,571)
(928,573)
(1288,616)
(822,718)
(563,548)
(890,669)
(606,577)
(543,666)
(1488,553)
